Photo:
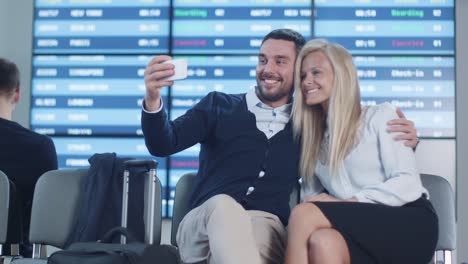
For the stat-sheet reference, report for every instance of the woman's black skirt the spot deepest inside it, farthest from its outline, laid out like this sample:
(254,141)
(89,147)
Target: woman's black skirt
(378,233)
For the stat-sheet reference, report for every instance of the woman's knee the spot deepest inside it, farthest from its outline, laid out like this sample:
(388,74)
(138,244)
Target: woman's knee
(304,214)
(327,242)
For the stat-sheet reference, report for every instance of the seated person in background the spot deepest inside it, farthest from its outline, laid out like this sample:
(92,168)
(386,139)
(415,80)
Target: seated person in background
(25,155)
(374,208)
(248,158)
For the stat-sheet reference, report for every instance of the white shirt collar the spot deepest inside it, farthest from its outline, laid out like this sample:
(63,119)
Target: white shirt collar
(253,102)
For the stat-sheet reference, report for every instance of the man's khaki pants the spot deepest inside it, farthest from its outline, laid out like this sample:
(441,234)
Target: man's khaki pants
(221,231)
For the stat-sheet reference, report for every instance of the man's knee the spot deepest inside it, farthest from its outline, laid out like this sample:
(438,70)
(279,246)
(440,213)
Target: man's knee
(221,200)
(223,203)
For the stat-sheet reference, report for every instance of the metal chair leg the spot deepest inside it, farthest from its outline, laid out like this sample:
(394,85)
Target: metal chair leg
(14,250)
(447,257)
(37,249)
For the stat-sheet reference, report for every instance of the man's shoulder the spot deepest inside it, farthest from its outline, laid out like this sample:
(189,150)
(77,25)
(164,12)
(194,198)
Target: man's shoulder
(22,135)
(223,100)
(226,96)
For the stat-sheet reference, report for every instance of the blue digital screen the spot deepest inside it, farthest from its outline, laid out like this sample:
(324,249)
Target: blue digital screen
(101,27)
(88,95)
(233,27)
(422,87)
(387,27)
(89,59)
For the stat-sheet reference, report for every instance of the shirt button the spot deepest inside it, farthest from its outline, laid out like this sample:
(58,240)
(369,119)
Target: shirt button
(250,190)
(261,174)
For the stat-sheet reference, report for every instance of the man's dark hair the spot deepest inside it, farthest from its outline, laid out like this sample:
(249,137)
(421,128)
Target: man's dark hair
(9,77)
(287,34)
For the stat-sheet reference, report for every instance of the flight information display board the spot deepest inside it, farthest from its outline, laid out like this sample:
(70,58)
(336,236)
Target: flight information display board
(74,152)
(101,26)
(387,27)
(233,26)
(423,87)
(89,59)
(88,95)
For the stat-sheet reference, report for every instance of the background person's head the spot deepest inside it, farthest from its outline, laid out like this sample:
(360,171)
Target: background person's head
(9,87)
(275,67)
(327,95)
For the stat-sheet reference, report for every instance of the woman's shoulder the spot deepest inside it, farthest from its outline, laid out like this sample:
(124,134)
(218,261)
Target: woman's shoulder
(381,113)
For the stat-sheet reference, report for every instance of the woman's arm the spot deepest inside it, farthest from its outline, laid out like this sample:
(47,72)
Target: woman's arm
(402,182)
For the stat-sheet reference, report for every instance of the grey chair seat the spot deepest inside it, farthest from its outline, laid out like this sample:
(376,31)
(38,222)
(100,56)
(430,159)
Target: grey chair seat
(29,261)
(442,198)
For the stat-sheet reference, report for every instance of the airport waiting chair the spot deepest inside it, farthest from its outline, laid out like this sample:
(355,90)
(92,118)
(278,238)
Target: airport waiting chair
(15,225)
(55,209)
(181,207)
(442,198)
(15,221)
(183,192)
(4,206)
(440,191)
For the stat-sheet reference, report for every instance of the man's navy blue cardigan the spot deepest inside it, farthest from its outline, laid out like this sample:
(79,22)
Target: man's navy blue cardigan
(233,153)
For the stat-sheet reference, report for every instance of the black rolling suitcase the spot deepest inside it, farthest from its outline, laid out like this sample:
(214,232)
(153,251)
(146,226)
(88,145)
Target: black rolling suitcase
(129,250)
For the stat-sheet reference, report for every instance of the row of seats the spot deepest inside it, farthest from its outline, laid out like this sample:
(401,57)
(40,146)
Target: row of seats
(57,195)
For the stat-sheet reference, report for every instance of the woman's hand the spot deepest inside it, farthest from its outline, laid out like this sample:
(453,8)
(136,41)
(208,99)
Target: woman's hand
(406,128)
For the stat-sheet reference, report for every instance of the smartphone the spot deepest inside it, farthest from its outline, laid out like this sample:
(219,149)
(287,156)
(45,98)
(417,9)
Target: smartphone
(180,69)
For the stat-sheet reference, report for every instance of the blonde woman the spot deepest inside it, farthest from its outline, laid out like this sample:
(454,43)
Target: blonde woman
(373,208)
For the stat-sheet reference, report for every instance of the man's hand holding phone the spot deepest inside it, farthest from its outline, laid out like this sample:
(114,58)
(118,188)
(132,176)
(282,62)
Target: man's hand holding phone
(161,71)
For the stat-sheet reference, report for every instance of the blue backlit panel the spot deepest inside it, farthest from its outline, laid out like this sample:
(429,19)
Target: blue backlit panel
(423,87)
(387,27)
(89,59)
(88,95)
(233,27)
(101,26)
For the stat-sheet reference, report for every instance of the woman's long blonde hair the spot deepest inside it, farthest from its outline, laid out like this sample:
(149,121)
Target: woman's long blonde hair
(344,110)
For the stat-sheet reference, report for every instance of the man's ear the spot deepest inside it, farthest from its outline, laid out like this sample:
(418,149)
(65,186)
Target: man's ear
(16,95)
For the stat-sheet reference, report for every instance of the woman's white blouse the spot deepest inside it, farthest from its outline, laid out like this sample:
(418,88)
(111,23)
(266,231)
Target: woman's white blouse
(378,169)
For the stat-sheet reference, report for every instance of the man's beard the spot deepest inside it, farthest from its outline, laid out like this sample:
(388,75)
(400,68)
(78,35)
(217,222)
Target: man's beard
(271,98)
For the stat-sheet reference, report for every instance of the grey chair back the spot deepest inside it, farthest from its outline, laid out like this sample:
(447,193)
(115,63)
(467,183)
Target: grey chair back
(181,207)
(55,207)
(4,206)
(442,198)
(295,199)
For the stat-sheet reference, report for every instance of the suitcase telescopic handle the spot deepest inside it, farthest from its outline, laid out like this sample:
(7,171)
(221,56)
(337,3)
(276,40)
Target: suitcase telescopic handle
(149,164)
(150,196)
